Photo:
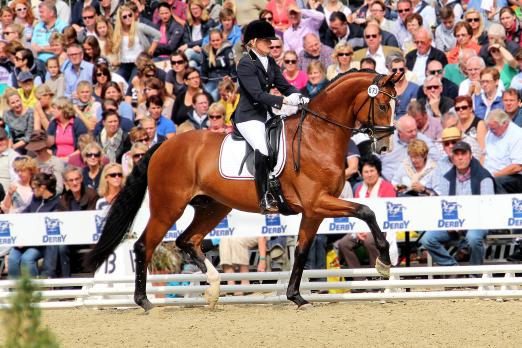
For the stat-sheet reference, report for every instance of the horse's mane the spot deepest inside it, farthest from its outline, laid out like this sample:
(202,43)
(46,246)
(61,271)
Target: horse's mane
(340,76)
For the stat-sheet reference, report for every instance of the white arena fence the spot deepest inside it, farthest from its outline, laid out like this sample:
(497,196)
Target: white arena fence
(492,282)
(113,283)
(393,215)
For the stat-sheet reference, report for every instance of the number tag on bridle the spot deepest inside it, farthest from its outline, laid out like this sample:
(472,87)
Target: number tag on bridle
(373,90)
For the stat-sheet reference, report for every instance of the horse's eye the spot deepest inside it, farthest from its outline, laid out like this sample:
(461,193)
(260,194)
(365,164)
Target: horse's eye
(383,107)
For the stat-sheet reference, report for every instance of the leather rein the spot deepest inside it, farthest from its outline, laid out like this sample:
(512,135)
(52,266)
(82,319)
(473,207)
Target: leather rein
(371,129)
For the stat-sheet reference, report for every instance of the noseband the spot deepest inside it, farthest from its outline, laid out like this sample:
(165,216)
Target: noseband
(371,128)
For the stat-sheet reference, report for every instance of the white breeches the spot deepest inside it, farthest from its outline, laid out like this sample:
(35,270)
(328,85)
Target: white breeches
(254,133)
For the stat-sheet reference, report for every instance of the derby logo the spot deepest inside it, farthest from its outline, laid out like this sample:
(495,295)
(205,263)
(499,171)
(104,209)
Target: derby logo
(5,233)
(222,230)
(341,224)
(173,233)
(273,225)
(516,211)
(450,215)
(99,220)
(395,217)
(53,232)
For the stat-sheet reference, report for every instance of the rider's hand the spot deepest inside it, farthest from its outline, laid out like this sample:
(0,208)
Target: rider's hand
(295,99)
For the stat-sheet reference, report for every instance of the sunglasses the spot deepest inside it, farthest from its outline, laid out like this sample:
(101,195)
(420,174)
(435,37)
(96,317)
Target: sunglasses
(177,62)
(21,9)
(290,61)
(215,117)
(429,88)
(450,142)
(470,20)
(344,54)
(142,140)
(419,42)
(18,58)
(396,70)
(404,10)
(126,16)
(459,108)
(435,72)
(93,155)
(100,74)
(115,175)
(88,17)
(371,36)
(274,47)
(267,19)
(138,155)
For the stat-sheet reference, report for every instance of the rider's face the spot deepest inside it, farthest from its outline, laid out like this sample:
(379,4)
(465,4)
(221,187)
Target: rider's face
(263,46)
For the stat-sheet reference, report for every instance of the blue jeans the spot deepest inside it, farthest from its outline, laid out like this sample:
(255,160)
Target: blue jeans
(195,58)
(434,241)
(212,88)
(23,257)
(127,71)
(56,261)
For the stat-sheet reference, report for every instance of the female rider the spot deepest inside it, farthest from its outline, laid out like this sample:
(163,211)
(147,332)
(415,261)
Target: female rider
(258,73)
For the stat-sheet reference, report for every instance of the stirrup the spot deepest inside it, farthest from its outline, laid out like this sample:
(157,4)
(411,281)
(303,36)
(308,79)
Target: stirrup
(268,204)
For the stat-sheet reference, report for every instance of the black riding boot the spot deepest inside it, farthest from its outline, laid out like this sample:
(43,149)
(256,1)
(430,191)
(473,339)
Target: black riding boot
(267,203)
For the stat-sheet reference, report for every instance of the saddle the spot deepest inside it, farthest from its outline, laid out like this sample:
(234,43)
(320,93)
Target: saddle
(274,127)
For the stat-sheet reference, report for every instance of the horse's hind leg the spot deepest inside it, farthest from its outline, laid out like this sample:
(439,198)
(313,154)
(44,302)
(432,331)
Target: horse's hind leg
(330,206)
(307,231)
(208,213)
(143,249)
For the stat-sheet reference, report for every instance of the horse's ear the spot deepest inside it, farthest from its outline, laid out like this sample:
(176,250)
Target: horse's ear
(392,79)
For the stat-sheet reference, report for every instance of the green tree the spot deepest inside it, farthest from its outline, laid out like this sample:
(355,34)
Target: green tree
(22,320)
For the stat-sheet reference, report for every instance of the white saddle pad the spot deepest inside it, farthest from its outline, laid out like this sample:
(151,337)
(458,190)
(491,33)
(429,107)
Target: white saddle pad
(232,153)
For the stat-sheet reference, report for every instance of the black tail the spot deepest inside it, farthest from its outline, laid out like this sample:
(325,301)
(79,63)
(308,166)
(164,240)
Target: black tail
(121,214)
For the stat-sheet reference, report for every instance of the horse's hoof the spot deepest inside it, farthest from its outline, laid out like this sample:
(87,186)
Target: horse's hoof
(147,306)
(212,295)
(305,307)
(382,268)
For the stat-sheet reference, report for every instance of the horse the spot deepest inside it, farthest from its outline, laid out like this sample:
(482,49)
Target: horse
(184,171)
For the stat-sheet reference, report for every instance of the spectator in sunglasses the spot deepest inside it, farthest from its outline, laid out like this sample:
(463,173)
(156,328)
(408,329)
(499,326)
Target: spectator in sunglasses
(406,90)
(92,155)
(111,183)
(342,57)
(469,124)
(296,77)
(435,103)
(174,82)
(449,89)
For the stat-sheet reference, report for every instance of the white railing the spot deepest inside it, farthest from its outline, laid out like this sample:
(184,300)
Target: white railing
(498,282)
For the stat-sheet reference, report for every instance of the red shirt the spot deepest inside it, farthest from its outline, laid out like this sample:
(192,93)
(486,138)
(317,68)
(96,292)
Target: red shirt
(386,190)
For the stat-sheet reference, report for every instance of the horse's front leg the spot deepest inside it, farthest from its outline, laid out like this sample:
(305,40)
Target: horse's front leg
(330,206)
(307,232)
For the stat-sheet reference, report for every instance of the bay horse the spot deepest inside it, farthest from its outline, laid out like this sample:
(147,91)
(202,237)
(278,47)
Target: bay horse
(184,171)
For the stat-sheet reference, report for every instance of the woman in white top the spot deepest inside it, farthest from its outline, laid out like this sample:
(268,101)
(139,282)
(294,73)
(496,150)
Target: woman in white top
(19,194)
(130,39)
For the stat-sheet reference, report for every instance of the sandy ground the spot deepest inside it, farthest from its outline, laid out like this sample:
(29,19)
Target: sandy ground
(445,323)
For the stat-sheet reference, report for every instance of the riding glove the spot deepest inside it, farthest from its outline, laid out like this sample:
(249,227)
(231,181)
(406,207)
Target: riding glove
(295,99)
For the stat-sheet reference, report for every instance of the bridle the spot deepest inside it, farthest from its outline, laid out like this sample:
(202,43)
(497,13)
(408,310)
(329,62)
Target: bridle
(370,129)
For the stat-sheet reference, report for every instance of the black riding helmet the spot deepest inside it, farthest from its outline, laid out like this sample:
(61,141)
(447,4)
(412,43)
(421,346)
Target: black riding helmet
(259,29)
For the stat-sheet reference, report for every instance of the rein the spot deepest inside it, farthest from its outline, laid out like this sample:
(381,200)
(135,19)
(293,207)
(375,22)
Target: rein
(371,129)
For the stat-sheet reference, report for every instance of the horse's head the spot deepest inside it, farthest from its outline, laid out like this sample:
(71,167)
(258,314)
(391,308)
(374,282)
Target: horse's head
(374,107)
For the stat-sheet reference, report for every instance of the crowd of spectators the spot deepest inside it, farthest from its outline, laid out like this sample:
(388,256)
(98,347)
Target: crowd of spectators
(87,90)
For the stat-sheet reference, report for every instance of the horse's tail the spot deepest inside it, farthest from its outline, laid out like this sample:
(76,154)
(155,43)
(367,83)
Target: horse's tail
(121,214)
